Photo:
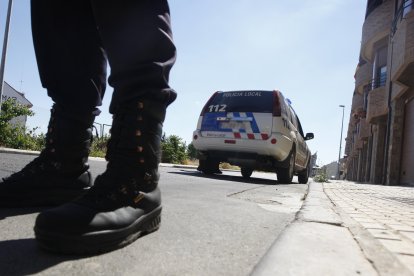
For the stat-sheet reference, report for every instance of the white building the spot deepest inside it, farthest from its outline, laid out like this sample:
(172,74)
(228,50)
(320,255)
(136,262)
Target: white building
(10,92)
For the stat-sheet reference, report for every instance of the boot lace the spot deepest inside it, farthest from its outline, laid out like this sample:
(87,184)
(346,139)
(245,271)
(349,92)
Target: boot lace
(132,160)
(129,143)
(112,190)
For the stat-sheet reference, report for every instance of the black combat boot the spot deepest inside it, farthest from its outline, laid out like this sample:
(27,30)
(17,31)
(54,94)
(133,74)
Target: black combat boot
(125,201)
(61,172)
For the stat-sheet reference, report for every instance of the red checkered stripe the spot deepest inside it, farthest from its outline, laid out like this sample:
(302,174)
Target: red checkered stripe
(251,136)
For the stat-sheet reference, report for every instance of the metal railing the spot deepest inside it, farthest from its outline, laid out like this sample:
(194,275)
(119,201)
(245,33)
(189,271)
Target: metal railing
(404,8)
(375,83)
(101,132)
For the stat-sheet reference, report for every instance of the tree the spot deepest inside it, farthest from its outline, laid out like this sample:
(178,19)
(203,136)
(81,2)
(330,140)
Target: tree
(173,150)
(10,109)
(15,136)
(192,152)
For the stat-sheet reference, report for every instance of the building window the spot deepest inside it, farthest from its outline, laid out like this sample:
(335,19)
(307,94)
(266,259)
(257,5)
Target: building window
(407,6)
(381,77)
(403,8)
(372,5)
(379,74)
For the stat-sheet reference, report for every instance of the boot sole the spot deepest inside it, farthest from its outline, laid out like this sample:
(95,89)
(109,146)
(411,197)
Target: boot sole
(102,241)
(57,192)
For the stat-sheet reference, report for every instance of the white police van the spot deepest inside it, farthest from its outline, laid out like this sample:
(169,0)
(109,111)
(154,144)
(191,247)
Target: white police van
(256,130)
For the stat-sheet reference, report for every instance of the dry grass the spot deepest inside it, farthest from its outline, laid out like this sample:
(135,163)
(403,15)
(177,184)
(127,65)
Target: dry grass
(227,166)
(224,165)
(193,162)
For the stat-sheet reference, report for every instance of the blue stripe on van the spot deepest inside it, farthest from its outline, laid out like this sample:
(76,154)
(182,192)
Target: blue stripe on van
(210,122)
(253,123)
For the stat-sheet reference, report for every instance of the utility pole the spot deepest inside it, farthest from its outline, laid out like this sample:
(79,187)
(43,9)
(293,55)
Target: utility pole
(340,143)
(4,52)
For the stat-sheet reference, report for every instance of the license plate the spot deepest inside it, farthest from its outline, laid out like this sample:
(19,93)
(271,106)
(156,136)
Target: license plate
(233,125)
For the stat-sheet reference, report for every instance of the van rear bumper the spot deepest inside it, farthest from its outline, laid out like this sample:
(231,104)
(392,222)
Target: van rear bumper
(279,151)
(258,154)
(242,159)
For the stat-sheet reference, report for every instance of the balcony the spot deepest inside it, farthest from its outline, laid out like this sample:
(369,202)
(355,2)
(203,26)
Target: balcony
(357,103)
(376,27)
(403,48)
(363,76)
(377,104)
(348,147)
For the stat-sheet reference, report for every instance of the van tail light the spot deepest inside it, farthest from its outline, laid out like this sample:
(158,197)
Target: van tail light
(207,104)
(277,109)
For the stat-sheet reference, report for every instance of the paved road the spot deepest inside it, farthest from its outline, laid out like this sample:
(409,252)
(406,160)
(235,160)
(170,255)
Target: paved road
(219,225)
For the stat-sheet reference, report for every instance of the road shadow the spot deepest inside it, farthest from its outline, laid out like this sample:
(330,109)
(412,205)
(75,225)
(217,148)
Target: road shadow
(12,212)
(226,177)
(24,257)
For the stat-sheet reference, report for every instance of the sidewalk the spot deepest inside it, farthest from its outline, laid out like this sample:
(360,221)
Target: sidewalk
(345,228)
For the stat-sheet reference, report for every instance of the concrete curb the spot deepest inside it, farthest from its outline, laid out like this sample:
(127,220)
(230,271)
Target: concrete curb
(29,152)
(32,152)
(18,151)
(315,243)
(178,166)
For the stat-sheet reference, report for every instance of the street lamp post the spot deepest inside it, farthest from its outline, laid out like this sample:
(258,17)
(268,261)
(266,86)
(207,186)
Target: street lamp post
(3,56)
(340,143)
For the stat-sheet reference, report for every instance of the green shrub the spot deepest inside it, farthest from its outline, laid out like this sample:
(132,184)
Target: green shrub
(174,150)
(98,148)
(16,136)
(192,153)
(321,177)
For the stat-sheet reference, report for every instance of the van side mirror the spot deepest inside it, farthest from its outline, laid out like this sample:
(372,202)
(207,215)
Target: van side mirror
(309,136)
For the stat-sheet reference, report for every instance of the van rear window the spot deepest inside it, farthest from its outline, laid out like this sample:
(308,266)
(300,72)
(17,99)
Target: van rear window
(242,101)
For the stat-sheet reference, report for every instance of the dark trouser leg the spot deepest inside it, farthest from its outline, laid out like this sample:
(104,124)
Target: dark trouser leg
(70,57)
(138,41)
(125,201)
(72,68)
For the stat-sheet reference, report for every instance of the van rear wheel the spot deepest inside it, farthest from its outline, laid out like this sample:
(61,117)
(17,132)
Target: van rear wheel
(285,175)
(246,172)
(303,176)
(209,166)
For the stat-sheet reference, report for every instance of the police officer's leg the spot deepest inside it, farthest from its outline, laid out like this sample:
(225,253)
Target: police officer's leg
(125,200)
(72,68)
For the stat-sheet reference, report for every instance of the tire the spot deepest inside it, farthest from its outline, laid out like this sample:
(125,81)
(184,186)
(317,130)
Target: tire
(303,176)
(285,175)
(246,172)
(209,166)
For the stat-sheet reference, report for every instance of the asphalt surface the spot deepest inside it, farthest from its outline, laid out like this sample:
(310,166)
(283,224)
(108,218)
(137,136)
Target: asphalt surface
(226,225)
(220,225)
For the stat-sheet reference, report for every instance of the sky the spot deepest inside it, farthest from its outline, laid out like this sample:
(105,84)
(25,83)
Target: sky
(308,51)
